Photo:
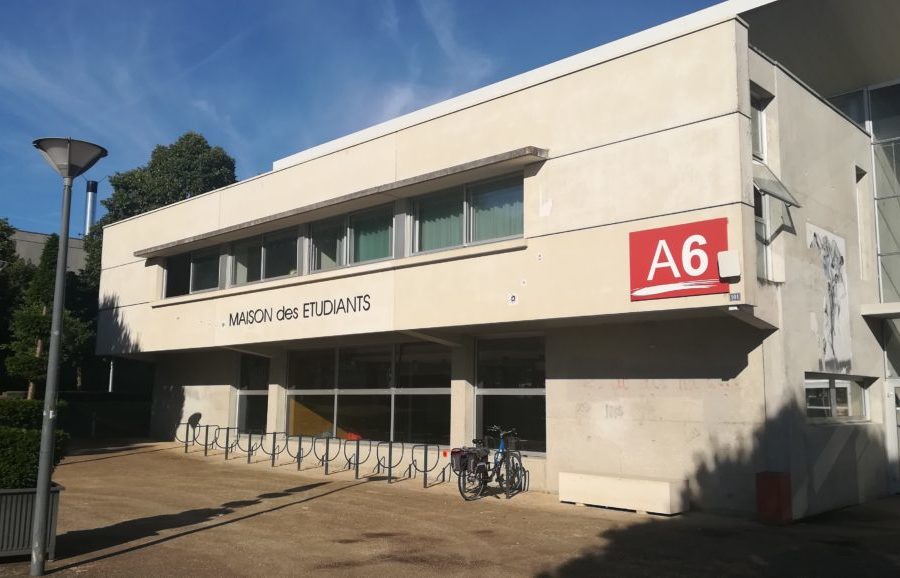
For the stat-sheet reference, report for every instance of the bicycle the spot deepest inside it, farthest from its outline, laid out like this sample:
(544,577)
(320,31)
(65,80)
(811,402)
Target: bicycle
(474,469)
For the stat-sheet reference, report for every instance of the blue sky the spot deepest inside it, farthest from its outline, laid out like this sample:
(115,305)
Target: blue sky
(262,79)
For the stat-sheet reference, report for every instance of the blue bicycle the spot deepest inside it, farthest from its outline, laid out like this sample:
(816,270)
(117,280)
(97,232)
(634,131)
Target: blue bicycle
(475,471)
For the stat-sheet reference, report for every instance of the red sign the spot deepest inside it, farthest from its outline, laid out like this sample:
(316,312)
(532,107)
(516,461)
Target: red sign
(678,261)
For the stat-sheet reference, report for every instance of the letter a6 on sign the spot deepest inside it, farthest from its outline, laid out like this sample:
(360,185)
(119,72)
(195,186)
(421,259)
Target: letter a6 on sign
(677,261)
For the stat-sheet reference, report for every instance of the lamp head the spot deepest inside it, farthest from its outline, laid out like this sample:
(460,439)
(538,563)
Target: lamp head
(69,157)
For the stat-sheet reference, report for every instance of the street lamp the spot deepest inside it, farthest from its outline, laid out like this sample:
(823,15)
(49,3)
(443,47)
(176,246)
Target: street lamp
(70,158)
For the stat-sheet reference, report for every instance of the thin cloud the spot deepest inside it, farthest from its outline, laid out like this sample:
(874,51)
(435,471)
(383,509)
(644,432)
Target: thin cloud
(389,20)
(469,66)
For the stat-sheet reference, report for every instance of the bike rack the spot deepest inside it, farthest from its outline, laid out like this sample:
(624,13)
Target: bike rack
(229,445)
(188,439)
(250,449)
(325,459)
(388,464)
(276,450)
(354,461)
(273,444)
(298,457)
(425,469)
(206,442)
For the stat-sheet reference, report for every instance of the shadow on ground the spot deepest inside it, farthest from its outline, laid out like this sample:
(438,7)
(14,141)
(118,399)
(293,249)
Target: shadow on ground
(79,542)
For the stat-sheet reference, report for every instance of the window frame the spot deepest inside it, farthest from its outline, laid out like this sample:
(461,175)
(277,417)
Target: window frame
(759,103)
(217,251)
(387,210)
(342,249)
(465,191)
(165,281)
(480,392)
(392,391)
(293,232)
(831,379)
(763,246)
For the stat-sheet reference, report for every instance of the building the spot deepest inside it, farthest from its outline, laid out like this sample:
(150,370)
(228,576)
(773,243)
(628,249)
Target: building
(30,245)
(657,258)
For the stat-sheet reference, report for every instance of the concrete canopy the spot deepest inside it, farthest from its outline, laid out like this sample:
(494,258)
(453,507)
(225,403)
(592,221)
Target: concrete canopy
(835,46)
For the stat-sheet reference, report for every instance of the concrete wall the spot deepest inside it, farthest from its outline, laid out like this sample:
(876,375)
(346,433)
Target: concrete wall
(819,156)
(198,382)
(680,400)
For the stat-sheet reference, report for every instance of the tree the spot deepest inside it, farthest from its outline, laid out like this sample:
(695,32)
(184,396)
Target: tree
(186,168)
(30,327)
(15,274)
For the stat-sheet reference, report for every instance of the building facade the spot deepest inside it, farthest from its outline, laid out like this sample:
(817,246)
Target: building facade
(30,245)
(655,259)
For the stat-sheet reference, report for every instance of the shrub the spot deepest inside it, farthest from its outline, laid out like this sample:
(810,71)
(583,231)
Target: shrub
(20,450)
(24,413)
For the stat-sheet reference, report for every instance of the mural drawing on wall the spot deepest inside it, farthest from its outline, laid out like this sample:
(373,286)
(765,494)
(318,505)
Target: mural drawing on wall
(834,333)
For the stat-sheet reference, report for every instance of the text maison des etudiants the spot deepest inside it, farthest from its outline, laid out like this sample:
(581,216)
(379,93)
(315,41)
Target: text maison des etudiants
(310,309)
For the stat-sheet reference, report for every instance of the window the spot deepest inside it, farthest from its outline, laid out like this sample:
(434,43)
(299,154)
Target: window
(510,393)
(280,254)
(885,104)
(439,221)
(387,392)
(253,394)
(371,236)
(853,105)
(760,209)
(496,210)
(247,259)
(178,275)
(327,244)
(834,398)
(758,125)
(471,214)
(205,270)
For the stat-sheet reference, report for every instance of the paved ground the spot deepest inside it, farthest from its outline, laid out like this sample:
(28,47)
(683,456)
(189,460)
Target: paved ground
(149,510)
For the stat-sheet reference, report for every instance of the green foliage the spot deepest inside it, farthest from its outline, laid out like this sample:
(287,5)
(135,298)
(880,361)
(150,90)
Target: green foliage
(186,168)
(14,278)
(20,450)
(7,245)
(31,322)
(25,413)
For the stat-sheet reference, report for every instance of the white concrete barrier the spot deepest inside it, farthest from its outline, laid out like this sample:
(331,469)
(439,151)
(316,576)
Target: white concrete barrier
(657,496)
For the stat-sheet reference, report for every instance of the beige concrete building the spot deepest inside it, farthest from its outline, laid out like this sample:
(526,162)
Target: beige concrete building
(657,260)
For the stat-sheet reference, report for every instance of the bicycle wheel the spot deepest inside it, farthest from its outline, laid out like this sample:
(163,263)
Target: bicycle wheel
(513,475)
(471,485)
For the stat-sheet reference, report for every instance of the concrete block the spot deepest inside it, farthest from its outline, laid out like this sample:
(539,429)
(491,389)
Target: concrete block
(657,496)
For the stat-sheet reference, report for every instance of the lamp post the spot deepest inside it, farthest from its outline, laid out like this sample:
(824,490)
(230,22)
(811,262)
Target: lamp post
(70,158)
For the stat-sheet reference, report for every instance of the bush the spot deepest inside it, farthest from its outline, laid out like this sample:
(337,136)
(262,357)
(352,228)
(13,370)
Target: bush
(20,450)
(24,413)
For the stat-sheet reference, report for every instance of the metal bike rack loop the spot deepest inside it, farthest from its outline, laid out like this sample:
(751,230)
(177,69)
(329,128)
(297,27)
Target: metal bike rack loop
(425,469)
(300,454)
(355,460)
(326,459)
(388,464)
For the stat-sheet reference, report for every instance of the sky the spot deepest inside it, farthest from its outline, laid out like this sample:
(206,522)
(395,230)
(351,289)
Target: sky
(262,79)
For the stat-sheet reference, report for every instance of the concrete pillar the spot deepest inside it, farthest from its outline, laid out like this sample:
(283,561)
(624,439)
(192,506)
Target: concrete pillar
(275,419)
(462,393)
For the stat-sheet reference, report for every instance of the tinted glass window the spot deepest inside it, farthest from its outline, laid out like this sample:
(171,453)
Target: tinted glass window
(511,363)
(178,275)
(204,271)
(886,112)
(281,254)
